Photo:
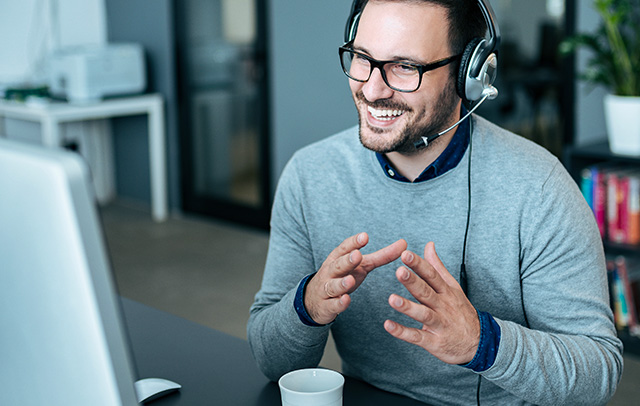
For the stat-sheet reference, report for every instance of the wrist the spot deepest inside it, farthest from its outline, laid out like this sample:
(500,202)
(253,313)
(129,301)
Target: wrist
(489,342)
(300,305)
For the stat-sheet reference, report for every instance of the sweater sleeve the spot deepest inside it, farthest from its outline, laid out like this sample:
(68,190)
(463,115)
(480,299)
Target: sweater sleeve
(280,342)
(569,353)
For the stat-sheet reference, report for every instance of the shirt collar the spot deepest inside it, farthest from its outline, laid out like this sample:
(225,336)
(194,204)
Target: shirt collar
(448,159)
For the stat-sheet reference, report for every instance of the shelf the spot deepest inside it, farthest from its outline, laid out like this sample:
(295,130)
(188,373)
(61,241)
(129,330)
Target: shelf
(575,159)
(621,249)
(599,151)
(631,343)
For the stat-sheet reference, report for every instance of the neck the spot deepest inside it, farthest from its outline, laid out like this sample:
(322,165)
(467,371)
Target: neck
(412,165)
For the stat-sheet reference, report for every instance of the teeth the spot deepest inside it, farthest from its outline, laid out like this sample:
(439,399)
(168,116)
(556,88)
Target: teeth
(384,115)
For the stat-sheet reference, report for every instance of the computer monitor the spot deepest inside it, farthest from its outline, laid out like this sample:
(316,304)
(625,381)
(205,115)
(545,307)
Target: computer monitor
(62,338)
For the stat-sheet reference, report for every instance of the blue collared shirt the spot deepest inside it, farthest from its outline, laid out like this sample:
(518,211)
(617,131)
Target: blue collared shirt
(448,159)
(452,155)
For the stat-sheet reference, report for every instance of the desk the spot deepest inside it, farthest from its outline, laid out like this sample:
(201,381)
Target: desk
(215,368)
(51,115)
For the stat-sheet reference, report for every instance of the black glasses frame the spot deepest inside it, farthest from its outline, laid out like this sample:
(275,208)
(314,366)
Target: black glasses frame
(374,63)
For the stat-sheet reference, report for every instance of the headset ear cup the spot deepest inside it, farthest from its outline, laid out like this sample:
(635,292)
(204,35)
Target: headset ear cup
(463,71)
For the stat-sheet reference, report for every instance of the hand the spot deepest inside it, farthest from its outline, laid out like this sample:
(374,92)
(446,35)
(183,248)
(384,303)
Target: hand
(327,293)
(450,325)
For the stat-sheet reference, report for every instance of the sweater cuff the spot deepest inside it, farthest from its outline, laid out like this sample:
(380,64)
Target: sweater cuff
(298,303)
(488,346)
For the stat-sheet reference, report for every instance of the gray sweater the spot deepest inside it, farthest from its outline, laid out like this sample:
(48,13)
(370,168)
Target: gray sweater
(534,255)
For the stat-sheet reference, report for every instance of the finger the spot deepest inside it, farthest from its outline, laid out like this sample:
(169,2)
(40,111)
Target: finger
(410,335)
(341,304)
(337,287)
(432,258)
(345,264)
(420,313)
(418,288)
(384,255)
(352,243)
(424,270)
(331,309)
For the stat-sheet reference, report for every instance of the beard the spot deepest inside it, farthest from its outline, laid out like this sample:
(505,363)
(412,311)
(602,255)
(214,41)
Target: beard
(413,131)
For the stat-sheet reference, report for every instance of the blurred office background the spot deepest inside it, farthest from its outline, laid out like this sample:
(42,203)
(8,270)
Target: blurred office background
(245,84)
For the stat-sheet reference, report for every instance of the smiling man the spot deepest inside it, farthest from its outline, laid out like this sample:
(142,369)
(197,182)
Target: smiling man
(393,121)
(454,262)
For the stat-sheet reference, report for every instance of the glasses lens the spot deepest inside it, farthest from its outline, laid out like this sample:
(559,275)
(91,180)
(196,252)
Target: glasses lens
(399,76)
(402,77)
(355,66)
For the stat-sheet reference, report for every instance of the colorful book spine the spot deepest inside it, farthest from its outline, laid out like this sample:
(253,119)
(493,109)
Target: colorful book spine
(633,208)
(586,185)
(613,197)
(622,200)
(599,199)
(619,304)
(628,305)
(613,194)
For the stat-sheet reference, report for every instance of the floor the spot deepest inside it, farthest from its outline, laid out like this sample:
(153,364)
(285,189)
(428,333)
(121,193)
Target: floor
(208,271)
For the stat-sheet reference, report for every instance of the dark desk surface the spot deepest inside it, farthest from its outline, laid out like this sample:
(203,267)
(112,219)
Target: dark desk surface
(213,367)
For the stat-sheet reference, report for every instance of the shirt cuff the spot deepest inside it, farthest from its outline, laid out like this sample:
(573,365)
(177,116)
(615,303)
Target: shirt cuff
(488,346)
(298,303)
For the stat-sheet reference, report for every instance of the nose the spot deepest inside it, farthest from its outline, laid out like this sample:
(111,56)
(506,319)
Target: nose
(375,88)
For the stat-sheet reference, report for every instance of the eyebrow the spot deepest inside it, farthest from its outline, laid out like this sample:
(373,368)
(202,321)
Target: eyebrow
(396,58)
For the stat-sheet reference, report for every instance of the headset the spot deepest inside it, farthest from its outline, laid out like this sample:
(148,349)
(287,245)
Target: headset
(479,61)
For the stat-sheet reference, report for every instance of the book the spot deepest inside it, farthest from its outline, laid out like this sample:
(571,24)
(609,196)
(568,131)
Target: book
(613,204)
(586,185)
(633,209)
(599,198)
(621,315)
(628,296)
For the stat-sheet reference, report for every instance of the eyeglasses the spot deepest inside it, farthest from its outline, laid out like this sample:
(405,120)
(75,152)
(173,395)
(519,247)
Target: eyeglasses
(401,76)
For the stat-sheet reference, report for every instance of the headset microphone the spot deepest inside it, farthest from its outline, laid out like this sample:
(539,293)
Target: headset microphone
(489,93)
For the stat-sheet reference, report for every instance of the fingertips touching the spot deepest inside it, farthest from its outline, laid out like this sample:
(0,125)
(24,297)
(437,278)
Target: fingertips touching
(355,257)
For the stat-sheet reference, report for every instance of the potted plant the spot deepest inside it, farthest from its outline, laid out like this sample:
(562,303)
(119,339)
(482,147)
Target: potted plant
(615,63)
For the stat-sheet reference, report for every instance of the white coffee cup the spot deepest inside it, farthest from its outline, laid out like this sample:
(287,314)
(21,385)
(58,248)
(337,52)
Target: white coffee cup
(311,387)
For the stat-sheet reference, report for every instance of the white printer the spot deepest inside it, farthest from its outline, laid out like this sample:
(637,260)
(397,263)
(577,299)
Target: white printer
(86,74)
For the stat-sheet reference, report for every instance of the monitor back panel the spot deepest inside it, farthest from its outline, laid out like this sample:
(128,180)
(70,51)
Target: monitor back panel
(62,340)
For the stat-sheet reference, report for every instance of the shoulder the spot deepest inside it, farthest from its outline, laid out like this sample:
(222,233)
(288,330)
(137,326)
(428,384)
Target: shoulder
(499,144)
(512,157)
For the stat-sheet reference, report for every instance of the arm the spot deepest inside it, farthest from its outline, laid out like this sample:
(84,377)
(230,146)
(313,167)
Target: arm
(279,338)
(569,353)
(280,342)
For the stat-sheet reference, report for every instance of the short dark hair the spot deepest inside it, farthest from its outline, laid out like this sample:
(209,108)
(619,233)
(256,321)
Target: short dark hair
(465,18)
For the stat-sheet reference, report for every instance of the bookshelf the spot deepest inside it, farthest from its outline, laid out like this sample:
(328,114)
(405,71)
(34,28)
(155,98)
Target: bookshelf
(576,158)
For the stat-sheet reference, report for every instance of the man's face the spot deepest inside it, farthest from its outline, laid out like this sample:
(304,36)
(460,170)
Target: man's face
(392,120)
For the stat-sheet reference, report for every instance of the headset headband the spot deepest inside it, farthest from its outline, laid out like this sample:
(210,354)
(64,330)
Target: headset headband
(494,33)
(485,8)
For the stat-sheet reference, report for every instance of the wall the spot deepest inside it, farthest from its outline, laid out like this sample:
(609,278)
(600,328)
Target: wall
(309,93)
(29,29)
(589,119)
(149,23)
(310,98)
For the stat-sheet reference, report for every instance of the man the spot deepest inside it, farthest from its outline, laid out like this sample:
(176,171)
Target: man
(531,321)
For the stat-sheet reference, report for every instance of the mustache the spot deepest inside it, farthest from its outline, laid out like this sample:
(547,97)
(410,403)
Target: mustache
(382,103)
